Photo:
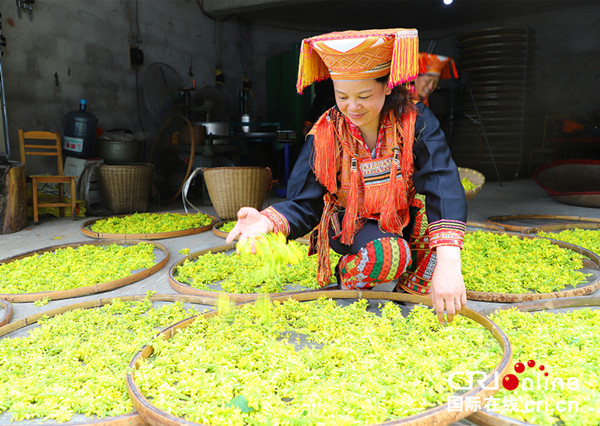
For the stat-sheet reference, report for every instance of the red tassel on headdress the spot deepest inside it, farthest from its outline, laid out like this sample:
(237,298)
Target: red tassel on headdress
(349,225)
(449,70)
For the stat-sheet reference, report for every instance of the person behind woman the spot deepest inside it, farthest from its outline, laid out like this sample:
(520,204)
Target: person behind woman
(432,68)
(362,163)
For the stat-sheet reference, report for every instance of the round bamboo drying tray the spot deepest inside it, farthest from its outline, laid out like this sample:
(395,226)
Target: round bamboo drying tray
(87,290)
(475,177)
(591,261)
(527,229)
(571,181)
(485,417)
(304,239)
(436,415)
(563,226)
(218,232)
(6,313)
(131,419)
(87,231)
(184,288)
(485,225)
(566,226)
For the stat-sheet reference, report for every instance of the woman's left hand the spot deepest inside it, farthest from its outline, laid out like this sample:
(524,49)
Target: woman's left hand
(447,285)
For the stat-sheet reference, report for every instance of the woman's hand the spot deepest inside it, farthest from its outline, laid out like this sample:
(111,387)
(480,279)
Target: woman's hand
(447,284)
(250,224)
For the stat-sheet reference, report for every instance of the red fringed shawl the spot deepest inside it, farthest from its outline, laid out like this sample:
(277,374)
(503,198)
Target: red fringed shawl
(379,189)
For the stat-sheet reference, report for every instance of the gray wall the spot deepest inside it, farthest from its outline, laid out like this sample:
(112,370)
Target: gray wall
(80,49)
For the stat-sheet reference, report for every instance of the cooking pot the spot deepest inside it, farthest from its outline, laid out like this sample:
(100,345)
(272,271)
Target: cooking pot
(217,132)
(118,152)
(220,128)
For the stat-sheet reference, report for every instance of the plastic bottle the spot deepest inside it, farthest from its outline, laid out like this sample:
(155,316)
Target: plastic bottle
(80,132)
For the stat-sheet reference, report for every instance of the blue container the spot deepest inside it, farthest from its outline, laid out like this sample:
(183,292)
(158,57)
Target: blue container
(79,136)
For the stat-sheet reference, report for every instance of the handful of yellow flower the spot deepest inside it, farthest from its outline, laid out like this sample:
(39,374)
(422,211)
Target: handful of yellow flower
(274,250)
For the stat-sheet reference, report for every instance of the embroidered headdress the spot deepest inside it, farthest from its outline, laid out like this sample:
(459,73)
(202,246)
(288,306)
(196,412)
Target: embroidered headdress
(437,65)
(359,55)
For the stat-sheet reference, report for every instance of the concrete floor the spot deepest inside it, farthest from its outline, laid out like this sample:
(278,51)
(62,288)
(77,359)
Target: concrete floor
(521,196)
(512,197)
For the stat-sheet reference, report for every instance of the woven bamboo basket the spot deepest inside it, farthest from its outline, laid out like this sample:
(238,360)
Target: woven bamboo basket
(475,177)
(126,188)
(231,188)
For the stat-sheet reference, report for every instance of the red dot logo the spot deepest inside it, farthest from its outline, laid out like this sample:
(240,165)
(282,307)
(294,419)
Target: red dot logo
(510,381)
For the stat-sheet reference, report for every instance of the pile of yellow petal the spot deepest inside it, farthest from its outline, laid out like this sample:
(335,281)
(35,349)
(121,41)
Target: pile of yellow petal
(467,184)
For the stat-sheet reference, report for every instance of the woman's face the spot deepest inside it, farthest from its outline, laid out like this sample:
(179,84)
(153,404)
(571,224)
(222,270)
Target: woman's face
(361,101)
(426,84)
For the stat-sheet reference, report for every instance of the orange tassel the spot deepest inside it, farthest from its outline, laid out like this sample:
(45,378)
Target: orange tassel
(378,192)
(326,153)
(390,220)
(349,224)
(395,215)
(405,59)
(408,138)
(311,67)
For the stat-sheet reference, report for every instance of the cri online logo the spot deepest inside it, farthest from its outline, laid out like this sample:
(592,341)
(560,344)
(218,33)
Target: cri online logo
(510,382)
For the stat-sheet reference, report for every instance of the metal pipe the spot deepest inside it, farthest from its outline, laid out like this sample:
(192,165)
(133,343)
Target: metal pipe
(2,97)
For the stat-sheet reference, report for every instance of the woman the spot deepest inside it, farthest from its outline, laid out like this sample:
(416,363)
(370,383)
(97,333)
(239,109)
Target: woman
(431,69)
(362,163)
